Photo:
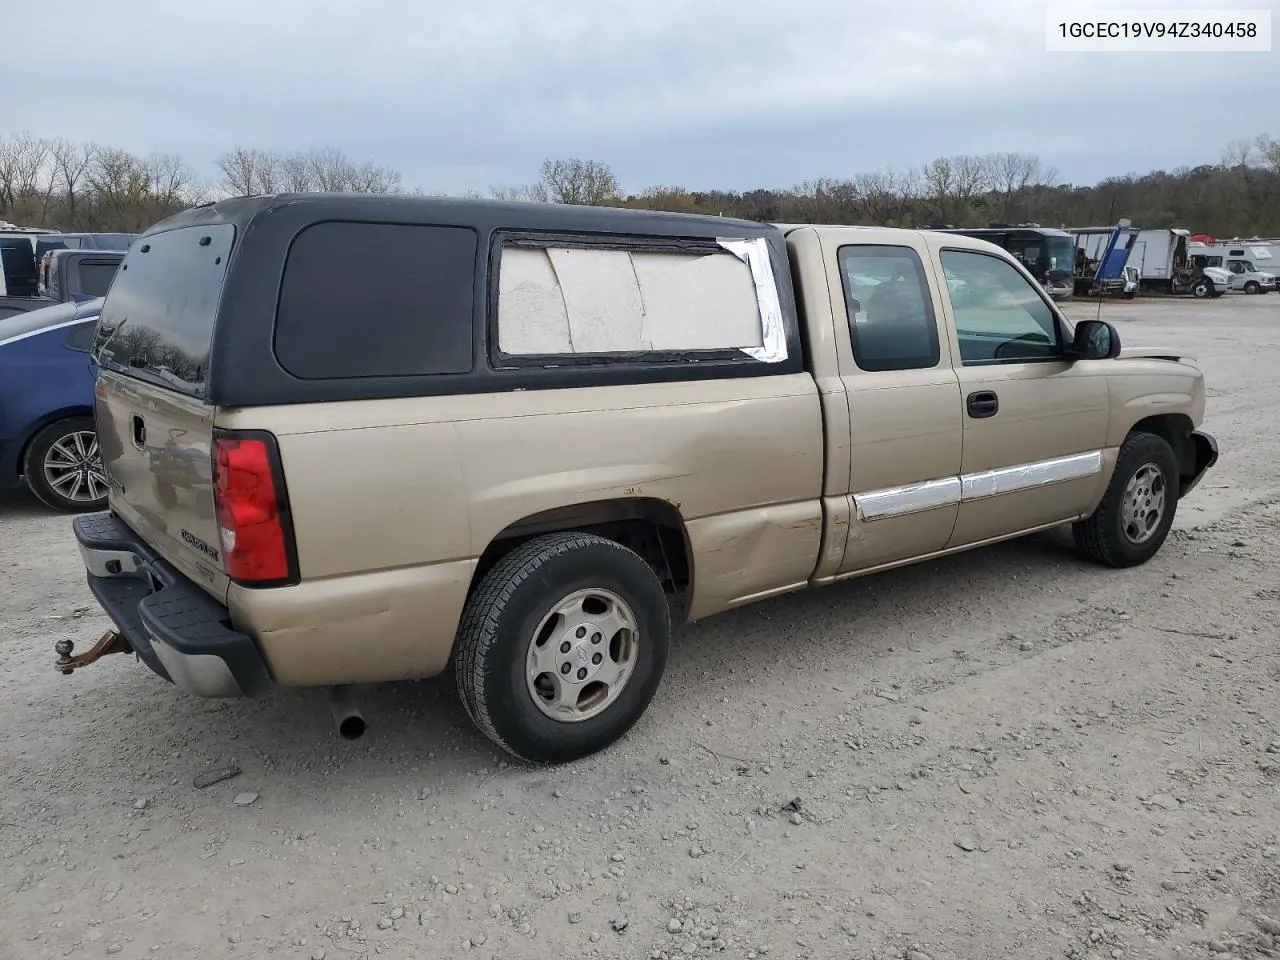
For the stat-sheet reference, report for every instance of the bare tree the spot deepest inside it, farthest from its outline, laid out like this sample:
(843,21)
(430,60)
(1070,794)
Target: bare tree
(122,189)
(71,162)
(1268,152)
(25,176)
(939,178)
(247,171)
(1238,153)
(295,173)
(330,170)
(370,178)
(878,196)
(578,181)
(531,193)
(1009,175)
(169,177)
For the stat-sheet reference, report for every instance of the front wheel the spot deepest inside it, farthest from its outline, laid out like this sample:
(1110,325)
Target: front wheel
(1252,287)
(562,647)
(1201,289)
(63,467)
(1134,517)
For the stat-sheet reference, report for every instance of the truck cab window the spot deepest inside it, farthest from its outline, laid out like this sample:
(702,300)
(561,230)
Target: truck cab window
(1000,316)
(891,320)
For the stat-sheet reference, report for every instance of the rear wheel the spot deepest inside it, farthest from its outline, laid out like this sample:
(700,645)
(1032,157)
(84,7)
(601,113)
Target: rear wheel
(562,647)
(63,466)
(1134,517)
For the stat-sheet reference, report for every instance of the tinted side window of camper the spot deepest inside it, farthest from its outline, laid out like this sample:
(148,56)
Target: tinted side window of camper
(377,300)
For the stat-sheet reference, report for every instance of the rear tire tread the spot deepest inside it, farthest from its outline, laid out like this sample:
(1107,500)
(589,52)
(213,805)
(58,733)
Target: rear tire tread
(481,620)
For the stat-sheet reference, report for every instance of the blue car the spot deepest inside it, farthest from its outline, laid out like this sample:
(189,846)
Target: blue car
(46,406)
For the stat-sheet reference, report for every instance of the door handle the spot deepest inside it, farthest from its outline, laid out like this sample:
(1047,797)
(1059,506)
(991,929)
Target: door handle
(983,404)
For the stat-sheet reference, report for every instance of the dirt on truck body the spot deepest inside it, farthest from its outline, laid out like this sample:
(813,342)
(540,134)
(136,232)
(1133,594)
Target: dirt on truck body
(359,439)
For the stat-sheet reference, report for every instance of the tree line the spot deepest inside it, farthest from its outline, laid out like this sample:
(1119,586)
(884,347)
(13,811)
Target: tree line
(69,185)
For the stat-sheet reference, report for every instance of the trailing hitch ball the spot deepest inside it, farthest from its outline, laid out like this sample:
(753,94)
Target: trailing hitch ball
(109,642)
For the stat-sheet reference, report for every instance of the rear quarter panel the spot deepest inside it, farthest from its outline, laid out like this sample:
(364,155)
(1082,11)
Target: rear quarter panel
(394,501)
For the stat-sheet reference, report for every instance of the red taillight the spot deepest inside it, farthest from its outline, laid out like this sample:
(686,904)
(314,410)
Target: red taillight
(253,516)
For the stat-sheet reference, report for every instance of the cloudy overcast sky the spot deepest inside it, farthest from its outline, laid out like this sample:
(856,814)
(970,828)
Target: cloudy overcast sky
(734,94)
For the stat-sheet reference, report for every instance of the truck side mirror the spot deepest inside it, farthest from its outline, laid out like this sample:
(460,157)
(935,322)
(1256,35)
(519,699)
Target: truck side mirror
(1095,340)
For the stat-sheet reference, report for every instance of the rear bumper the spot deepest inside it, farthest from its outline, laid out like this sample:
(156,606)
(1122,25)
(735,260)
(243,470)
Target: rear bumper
(174,627)
(1206,455)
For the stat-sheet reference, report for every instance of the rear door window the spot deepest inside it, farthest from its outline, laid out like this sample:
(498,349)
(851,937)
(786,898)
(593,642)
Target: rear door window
(157,323)
(377,300)
(891,319)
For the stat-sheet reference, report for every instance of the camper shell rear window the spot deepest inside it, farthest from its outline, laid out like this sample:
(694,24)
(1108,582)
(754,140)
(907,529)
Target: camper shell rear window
(157,323)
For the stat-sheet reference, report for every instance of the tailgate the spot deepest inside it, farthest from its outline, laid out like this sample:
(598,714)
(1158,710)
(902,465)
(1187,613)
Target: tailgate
(156,448)
(154,428)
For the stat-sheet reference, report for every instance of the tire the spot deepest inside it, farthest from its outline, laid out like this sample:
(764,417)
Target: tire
(1201,289)
(1251,287)
(1114,538)
(81,485)
(516,604)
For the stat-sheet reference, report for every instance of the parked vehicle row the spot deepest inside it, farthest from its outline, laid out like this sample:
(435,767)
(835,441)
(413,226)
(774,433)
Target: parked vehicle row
(1122,260)
(1168,261)
(558,430)
(25,255)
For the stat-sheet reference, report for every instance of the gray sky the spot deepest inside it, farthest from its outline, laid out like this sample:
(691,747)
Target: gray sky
(702,93)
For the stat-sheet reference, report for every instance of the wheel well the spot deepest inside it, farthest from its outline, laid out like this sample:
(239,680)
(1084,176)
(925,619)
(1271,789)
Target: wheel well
(46,421)
(652,528)
(1175,429)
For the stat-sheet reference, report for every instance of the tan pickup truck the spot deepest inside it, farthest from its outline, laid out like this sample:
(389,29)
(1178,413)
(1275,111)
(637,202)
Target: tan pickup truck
(360,439)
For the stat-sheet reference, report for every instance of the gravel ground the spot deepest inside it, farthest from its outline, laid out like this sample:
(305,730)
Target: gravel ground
(1003,754)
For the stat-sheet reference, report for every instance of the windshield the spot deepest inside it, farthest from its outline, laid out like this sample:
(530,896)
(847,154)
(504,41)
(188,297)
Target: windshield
(1061,254)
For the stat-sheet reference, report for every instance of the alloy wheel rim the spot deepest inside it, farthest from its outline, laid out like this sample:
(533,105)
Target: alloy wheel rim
(73,467)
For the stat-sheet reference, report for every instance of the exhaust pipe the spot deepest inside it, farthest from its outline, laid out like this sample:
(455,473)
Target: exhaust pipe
(346,714)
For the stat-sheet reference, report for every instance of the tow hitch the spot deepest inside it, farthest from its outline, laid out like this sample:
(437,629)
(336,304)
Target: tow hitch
(109,642)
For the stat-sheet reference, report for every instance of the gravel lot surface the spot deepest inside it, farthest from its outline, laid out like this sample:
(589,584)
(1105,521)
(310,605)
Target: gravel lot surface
(1009,753)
